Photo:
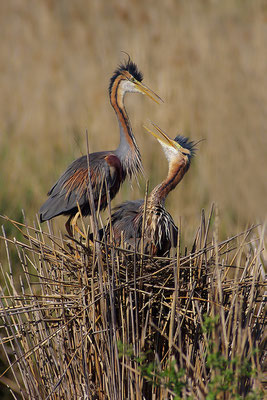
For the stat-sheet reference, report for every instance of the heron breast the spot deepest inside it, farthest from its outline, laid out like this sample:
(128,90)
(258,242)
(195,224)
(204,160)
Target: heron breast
(115,166)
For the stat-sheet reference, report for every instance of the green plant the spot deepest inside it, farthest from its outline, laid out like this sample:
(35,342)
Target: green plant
(226,374)
(170,378)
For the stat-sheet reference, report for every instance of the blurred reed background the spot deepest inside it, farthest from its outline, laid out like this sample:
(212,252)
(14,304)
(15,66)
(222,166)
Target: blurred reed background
(206,59)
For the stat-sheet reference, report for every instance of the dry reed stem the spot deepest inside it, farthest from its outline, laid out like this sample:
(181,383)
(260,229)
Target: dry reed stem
(72,308)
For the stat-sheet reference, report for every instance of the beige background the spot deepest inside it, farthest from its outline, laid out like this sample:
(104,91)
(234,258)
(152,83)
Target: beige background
(206,59)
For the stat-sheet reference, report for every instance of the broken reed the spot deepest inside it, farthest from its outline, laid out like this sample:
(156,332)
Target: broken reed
(81,321)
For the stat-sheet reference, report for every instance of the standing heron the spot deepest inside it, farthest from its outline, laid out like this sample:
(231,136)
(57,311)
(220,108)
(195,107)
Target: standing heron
(160,231)
(108,169)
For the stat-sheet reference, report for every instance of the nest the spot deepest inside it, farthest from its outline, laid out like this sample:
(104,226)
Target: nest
(95,321)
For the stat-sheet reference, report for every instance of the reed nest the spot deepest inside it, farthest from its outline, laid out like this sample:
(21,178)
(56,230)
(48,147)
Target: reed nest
(91,321)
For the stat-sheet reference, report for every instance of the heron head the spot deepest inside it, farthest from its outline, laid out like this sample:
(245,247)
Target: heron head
(175,149)
(131,81)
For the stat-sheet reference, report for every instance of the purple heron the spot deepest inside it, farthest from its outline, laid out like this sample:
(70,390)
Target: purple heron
(160,231)
(108,169)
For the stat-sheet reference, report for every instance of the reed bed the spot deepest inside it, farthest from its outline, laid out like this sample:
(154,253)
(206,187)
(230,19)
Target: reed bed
(92,321)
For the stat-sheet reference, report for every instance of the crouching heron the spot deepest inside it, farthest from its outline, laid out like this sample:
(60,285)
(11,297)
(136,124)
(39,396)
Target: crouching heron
(160,231)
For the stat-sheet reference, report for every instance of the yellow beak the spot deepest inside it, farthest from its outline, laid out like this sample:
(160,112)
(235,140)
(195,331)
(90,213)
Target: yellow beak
(164,138)
(145,90)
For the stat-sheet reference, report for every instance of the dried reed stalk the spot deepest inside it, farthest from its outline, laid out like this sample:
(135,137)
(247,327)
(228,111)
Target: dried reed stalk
(71,308)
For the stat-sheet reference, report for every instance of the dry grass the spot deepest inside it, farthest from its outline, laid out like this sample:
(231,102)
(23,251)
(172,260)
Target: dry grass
(85,322)
(207,59)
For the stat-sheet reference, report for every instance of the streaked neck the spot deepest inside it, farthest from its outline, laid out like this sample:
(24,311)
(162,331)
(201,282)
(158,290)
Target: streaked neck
(175,175)
(127,151)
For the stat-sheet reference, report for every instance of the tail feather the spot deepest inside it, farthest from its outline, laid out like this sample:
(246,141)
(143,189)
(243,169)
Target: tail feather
(52,207)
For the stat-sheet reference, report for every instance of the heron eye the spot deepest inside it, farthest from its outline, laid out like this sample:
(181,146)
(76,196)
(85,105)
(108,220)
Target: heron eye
(132,79)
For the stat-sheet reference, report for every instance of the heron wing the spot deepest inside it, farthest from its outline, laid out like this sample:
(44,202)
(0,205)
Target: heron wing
(160,230)
(123,218)
(72,186)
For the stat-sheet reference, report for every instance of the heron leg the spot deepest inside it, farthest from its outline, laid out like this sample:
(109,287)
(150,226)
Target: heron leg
(68,227)
(75,226)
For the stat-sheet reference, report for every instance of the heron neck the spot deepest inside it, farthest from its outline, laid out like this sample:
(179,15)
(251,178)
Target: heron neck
(175,175)
(127,151)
